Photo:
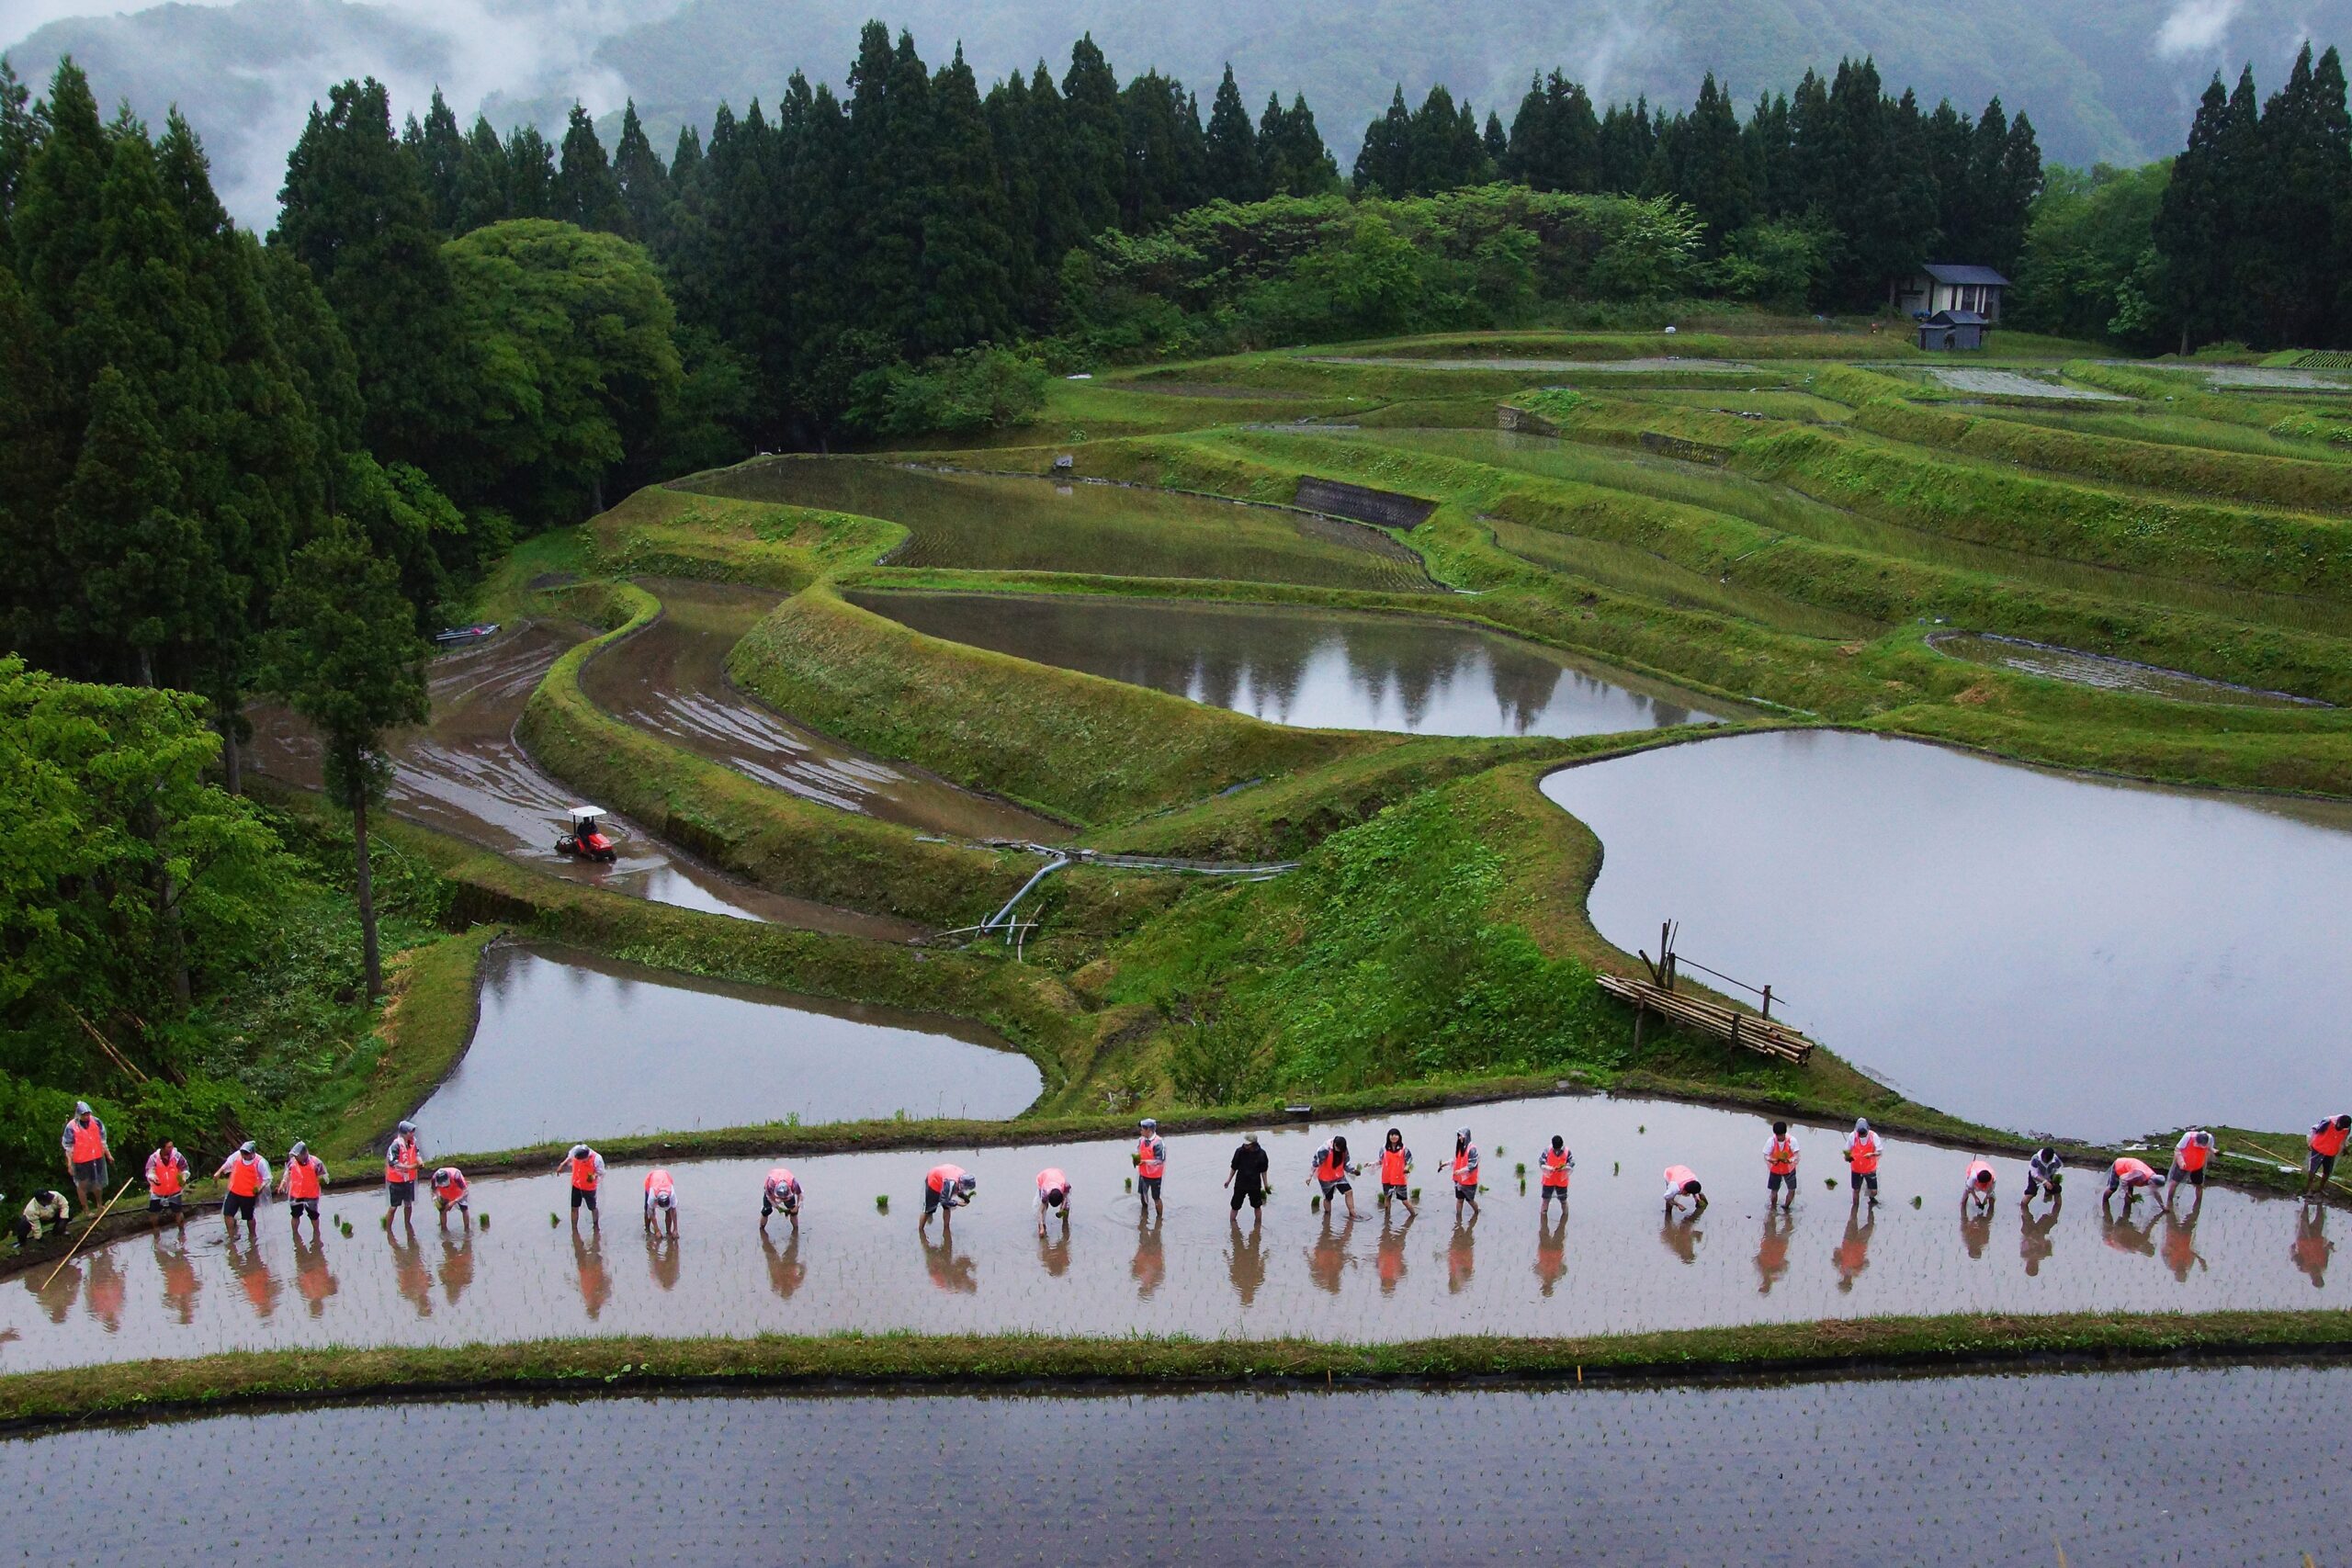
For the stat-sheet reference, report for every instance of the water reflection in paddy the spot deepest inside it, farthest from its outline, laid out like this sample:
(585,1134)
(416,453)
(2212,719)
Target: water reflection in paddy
(572,1045)
(1612,1265)
(2019,947)
(2018,1467)
(1316,669)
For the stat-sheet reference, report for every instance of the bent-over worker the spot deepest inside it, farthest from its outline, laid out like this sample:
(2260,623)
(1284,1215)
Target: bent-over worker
(660,1198)
(780,1194)
(1053,1193)
(1682,1187)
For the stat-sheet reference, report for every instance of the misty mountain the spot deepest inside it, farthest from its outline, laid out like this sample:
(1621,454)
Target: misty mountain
(2113,80)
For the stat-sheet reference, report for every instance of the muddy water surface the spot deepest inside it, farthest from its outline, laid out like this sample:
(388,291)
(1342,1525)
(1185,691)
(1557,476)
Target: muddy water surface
(671,677)
(2010,1468)
(1317,669)
(572,1045)
(1614,1263)
(465,773)
(2022,948)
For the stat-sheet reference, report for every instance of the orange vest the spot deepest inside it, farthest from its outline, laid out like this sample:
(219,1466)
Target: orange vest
(2192,1156)
(2134,1172)
(584,1175)
(452,1189)
(1865,1152)
(1392,1168)
(1329,1166)
(1465,1167)
(2328,1140)
(658,1181)
(400,1160)
(244,1176)
(1781,1157)
(165,1178)
(1151,1157)
(942,1176)
(302,1177)
(1978,1171)
(90,1140)
(1555,1166)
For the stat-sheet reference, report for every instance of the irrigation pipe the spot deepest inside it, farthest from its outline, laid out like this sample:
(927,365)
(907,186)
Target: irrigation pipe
(1005,914)
(86,1235)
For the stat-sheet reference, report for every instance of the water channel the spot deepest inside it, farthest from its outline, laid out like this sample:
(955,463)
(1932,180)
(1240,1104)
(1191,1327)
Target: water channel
(2020,947)
(2099,1467)
(1614,1263)
(572,1045)
(1319,669)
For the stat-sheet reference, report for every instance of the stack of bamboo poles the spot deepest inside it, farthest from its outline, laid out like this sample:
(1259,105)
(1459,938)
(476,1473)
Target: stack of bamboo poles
(1719,1018)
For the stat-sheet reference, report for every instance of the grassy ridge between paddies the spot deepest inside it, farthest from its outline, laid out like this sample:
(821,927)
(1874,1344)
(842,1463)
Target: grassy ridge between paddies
(765,835)
(2322,424)
(257,1380)
(2278,481)
(681,530)
(1073,745)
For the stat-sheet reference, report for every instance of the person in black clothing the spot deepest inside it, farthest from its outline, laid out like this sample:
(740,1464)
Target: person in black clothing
(1248,1177)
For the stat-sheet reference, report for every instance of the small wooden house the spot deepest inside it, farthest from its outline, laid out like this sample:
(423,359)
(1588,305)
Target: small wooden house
(1943,286)
(1953,329)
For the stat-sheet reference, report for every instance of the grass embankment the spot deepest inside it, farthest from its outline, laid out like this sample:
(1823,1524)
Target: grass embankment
(249,1380)
(432,1001)
(765,835)
(1077,746)
(682,530)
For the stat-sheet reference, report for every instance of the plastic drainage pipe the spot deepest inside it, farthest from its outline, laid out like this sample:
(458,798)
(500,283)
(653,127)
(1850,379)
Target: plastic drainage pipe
(1004,915)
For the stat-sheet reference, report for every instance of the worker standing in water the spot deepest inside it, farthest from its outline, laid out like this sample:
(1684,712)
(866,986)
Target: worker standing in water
(1465,1172)
(1151,1165)
(88,1158)
(1395,1168)
(585,1167)
(1553,1166)
(2190,1156)
(304,1180)
(1976,1188)
(1053,1196)
(2326,1141)
(1332,1171)
(451,1189)
(2044,1173)
(780,1194)
(403,1160)
(167,1179)
(661,1200)
(2133,1176)
(1861,1159)
(1781,1167)
(248,1177)
(945,1189)
(1682,1187)
(1247,1177)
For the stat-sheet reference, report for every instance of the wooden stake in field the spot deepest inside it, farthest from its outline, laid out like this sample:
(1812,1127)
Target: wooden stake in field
(86,1235)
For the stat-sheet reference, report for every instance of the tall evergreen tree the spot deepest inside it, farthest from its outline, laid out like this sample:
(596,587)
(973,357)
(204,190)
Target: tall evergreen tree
(530,174)
(18,135)
(1385,159)
(1236,171)
(586,193)
(1291,148)
(644,184)
(483,197)
(439,149)
(966,280)
(1094,140)
(2191,222)
(1710,168)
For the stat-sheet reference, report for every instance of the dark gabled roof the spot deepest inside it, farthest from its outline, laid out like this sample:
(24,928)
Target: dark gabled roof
(1947,271)
(1955,319)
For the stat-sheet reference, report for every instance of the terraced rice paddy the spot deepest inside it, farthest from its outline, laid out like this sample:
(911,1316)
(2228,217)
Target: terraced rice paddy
(1315,668)
(2010,384)
(569,1045)
(2022,948)
(1015,522)
(1613,1263)
(2075,666)
(2013,1468)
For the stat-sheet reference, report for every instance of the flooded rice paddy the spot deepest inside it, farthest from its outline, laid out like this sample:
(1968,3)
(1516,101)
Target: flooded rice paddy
(2022,1467)
(1613,1263)
(1317,669)
(464,773)
(2078,667)
(2014,384)
(571,1046)
(1653,365)
(671,677)
(2021,947)
(1021,522)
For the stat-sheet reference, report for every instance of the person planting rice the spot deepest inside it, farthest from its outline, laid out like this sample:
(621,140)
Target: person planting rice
(1395,1166)
(304,1180)
(1151,1165)
(1332,1171)
(1682,1187)
(167,1179)
(2133,1176)
(1247,1175)
(945,1188)
(780,1194)
(449,1189)
(1861,1159)
(1781,1167)
(661,1201)
(2190,1156)
(401,1162)
(1465,1172)
(1976,1188)
(248,1177)
(2327,1142)
(2043,1174)
(1053,1194)
(585,1167)
(1555,1164)
(42,1210)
